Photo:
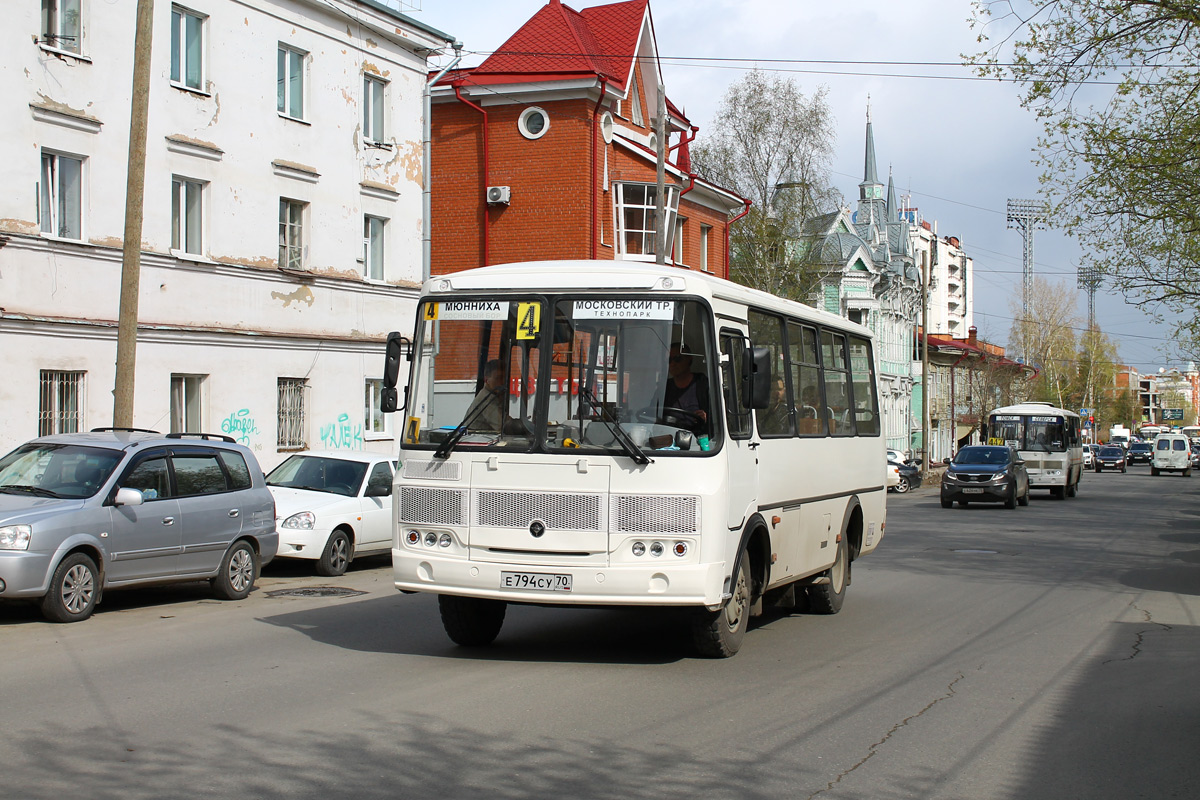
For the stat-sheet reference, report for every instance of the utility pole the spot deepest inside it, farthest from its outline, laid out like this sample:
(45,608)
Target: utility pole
(660,194)
(135,182)
(925,376)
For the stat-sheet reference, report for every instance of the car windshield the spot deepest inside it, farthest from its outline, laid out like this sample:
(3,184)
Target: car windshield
(57,470)
(991,456)
(319,474)
(1139,446)
(1111,452)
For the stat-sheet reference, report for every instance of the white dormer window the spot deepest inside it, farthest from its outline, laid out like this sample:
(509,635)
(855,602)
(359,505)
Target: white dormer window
(635,104)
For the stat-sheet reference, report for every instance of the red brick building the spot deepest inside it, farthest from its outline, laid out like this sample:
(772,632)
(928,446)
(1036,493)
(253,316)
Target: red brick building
(546,150)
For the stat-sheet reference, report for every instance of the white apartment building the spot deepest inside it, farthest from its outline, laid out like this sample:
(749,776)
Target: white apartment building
(951,277)
(283,227)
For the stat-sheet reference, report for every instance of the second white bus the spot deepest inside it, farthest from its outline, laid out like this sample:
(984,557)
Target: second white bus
(1047,438)
(662,438)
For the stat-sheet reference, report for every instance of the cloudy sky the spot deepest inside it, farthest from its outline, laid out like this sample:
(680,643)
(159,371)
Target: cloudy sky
(959,147)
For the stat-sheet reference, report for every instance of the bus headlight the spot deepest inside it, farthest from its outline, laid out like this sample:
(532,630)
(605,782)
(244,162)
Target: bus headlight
(430,539)
(639,548)
(656,549)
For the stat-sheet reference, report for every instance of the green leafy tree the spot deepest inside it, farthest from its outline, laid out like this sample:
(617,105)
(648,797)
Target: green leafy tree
(1116,85)
(1047,339)
(773,145)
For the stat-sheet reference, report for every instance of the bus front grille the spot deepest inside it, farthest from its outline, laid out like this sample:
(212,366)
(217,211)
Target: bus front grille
(423,506)
(558,511)
(656,514)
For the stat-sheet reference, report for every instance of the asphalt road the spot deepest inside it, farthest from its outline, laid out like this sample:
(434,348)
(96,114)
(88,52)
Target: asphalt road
(1042,652)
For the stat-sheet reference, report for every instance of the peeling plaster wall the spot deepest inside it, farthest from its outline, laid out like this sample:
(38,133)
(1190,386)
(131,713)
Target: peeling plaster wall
(231,137)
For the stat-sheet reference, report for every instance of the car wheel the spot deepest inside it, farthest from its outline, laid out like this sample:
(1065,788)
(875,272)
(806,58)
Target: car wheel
(1122,469)
(719,634)
(1154,471)
(74,590)
(1099,470)
(902,486)
(947,503)
(336,555)
(827,598)
(239,569)
(1187,472)
(1011,500)
(1024,499)
(471,621)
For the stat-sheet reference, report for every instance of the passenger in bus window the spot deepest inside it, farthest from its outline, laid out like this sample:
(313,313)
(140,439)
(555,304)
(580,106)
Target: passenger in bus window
(687,391)
(485,411)
(776,417)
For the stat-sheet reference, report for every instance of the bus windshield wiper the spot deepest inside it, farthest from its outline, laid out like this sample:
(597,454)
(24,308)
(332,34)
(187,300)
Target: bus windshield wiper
(614,427)
(459,431)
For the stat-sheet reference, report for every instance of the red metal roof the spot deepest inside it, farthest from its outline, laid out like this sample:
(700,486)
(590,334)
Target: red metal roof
(558,43)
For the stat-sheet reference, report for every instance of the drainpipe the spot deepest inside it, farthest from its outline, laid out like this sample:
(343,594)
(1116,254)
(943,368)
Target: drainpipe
(458,94)
(745,211)
(426,166)
(595,186)
(682,141)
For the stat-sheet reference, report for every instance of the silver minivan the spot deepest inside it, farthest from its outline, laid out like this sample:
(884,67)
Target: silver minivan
(1172,453)
(85,512)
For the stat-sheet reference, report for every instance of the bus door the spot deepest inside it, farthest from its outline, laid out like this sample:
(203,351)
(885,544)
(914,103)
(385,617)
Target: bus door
(741,461)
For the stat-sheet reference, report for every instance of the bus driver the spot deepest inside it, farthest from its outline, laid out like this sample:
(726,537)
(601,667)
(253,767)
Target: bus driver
(687,390)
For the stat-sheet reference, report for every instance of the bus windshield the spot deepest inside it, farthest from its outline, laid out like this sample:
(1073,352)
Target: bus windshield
(1038,432)
(564,373)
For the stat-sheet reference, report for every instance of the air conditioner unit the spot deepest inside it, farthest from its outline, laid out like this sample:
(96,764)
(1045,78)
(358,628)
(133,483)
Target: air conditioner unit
(499,195)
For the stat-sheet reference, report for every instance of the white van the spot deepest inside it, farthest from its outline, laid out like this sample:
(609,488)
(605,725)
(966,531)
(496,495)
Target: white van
(1172,453)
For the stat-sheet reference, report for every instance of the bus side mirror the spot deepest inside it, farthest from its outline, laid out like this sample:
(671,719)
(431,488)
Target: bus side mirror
(397,347)
(756,378)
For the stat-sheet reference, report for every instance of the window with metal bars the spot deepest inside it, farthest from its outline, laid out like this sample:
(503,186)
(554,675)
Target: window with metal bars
(60,402)
(291,422)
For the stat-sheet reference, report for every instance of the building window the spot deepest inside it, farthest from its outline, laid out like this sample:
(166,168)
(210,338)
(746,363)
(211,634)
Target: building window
(374,108)
(291,233)
(635,104)
(290,88)
(677,242)
(705,230)
(60,205)
(373,248)
(187,210)
(60,402)
(185,403)
(533,123)
(635,218)
(376,424)
(62,24)
(291,413)
(187,48)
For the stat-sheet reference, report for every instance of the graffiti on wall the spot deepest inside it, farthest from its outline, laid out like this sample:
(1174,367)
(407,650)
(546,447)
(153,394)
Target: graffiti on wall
(240,425)
(342,434)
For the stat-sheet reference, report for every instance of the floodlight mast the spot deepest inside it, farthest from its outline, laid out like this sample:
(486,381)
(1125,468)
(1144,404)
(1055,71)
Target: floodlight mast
(1026,216)
(1089,279)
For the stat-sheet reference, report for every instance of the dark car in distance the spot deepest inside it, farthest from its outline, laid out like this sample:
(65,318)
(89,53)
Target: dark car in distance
(910,475)
(1139,453)
(986,474)
(1110,457)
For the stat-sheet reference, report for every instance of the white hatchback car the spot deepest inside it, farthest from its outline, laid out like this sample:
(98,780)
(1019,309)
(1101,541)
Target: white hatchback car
(331,506)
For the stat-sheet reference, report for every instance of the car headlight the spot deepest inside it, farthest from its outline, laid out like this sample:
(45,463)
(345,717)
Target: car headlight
(15,537)
(303,521)
(1001,475)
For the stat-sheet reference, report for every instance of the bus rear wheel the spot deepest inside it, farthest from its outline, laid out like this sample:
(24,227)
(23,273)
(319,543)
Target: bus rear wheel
(827,598)
(719,634)
(471,621)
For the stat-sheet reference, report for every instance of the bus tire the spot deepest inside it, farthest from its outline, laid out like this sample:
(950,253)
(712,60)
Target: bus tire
(719,634)
(1072,489)
(827,598)
(471,621)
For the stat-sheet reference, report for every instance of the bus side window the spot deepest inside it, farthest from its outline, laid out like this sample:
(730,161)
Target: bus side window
(733,354)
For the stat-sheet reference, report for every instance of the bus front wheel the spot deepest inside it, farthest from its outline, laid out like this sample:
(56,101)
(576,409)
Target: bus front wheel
(471,621)
(719,634)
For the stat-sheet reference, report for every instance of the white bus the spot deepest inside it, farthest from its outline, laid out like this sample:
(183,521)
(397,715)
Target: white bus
(1192,432)
(1047,438)
(665,438)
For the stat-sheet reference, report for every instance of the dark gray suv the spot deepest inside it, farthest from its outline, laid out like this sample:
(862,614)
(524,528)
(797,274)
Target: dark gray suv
(85,512)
